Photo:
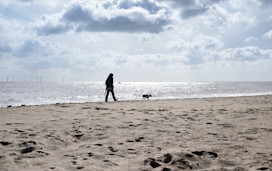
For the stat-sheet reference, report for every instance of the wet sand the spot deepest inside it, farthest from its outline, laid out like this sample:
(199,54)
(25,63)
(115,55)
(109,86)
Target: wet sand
(190,134)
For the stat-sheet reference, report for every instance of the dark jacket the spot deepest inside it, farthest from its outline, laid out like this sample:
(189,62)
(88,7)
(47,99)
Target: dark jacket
(109,82)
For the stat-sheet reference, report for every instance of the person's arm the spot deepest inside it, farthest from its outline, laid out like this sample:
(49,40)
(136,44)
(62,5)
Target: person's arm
(111,82)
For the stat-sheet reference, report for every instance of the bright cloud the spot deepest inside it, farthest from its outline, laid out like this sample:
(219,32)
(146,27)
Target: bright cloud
(268,35)
(249,53)
(250,39)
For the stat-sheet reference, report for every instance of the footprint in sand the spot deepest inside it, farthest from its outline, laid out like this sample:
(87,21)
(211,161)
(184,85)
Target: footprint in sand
(5,143)
(78,136)
(101,108)
(80,167)
(27,143)
(152,163)
(262,168)
(139,139)
(183,161)
(90,154)
(112,149)
(27,150)
(110,163)
(205,153)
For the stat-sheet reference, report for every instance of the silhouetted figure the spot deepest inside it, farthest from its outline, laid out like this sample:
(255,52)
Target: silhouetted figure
(109,87)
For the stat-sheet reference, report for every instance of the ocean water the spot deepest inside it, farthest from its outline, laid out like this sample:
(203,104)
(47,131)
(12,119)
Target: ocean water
(37,93)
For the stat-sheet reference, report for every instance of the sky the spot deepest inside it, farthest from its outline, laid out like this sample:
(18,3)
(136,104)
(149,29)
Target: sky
(136,40)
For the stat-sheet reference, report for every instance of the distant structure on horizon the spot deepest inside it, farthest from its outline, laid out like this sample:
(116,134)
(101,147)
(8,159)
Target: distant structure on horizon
(20,79)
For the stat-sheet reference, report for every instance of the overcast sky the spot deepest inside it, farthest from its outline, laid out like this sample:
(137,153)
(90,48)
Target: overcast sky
(137,40)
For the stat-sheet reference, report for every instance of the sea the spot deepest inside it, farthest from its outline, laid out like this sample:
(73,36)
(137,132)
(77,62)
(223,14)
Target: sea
(38,93)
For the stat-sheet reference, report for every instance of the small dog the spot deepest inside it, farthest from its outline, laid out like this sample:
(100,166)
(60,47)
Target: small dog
(146,96)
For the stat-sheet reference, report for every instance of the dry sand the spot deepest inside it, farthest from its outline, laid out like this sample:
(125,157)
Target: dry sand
(190,134)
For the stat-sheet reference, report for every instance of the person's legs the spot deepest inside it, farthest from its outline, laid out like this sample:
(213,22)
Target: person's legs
(106,99)
(112,92)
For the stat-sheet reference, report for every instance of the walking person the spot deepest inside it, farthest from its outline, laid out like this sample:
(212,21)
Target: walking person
(109,87)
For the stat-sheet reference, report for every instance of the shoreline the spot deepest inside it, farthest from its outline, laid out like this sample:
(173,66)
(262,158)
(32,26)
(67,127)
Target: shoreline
(219,133)
(110,100)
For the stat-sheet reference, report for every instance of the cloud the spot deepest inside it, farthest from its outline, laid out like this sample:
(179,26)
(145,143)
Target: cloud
(241,19)
(45,64)
(268,35)
(188,13)
(34,48)
(266,3)
(249,53)
(25,0)
(162,60)
(198,50)
(195,57)
(268,19)
(200,42)
(192,3)
(35,55)
(250,39)
(50,28)
(126,16)
(113,60)
(227,22)
(5,47)
(145,37)
(150,6)
(183,3)
(193,8)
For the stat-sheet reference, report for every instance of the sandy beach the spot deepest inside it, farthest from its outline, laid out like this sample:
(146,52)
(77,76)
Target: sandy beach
(191,134)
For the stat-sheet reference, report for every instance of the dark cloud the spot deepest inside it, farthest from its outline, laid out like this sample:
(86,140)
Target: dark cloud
(78,14)
(193,3)
(85,21)
(188,13)
(266,3)
(5,48)
(32,48)
(192,8)
(210,2)
(183,3)
(152,7)
(49,29)
(122,24)
(29,48)
(148,17)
